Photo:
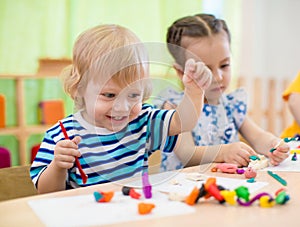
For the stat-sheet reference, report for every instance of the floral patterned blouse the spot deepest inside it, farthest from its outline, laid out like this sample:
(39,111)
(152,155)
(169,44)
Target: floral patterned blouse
(218,124)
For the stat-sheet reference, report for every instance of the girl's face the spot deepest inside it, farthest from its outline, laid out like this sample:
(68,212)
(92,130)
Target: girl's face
(111,106)
(215,53)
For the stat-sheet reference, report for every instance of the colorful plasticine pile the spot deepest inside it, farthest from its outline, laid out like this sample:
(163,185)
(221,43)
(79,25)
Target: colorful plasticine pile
(143,208)
(209,189)
(240,195)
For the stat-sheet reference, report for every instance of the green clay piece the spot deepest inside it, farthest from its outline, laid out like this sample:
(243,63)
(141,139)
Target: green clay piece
(273,149)
(251,180)
(280,198)
(288,139)
(254,157)
(242,192)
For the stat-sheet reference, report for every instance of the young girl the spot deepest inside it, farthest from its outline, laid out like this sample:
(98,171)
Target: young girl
(112,134)
(224,116)
(292,96)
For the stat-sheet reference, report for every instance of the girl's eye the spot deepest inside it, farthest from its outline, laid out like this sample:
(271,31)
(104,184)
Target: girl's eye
(225,66)
(108,95)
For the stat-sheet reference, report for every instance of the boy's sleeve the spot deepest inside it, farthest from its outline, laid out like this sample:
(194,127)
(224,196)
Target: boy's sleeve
(43,158)
(293,87)
(159,129)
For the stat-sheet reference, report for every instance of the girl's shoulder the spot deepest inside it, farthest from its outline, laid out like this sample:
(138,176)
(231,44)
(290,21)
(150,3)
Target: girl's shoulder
(169,94)
(238,95)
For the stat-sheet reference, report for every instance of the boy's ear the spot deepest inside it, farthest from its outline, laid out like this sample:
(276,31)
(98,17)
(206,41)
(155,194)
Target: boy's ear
(178,69)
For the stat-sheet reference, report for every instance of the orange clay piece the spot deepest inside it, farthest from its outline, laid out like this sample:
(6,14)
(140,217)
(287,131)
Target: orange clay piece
(145,208)
(107,196)
(209,181)
(279,190)
(191,199)
(214,169)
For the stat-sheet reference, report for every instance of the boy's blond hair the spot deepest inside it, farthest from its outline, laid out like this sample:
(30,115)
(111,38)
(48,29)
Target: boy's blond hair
(106,52)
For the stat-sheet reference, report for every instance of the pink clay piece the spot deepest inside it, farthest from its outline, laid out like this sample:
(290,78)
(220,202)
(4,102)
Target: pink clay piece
(227,167)
(250,173)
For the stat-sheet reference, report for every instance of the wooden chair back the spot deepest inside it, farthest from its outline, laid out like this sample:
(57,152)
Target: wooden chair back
(15,183)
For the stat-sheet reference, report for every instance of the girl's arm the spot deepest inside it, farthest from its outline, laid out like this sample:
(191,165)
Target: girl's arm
(294,106)
(191,155)
(262,141)
(197,77)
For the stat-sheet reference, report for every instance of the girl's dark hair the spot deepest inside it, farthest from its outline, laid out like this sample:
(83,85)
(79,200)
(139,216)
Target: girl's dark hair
(199,25)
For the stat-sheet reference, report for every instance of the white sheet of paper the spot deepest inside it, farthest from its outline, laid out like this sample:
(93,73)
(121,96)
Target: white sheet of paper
(85,211)
(185,186)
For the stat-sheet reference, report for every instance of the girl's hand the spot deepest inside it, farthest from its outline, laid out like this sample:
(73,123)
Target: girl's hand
(237,153)
(65,152)
(280,154)
(198,73)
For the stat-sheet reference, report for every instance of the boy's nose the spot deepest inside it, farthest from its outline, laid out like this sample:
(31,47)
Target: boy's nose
(121,105)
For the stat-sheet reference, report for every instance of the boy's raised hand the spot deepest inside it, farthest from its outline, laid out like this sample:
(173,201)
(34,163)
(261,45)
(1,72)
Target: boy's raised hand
(196,72)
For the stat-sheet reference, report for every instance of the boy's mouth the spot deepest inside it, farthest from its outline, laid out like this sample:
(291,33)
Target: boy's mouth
(118,118)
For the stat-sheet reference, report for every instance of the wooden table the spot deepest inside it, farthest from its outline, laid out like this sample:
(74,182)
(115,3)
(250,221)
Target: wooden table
(17,212)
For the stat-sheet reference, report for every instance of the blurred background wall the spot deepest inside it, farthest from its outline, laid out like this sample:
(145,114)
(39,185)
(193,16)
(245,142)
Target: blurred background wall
(265,37)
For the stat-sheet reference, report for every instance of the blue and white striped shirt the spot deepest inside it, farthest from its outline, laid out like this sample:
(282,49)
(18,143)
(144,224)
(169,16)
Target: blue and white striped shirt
(108,156)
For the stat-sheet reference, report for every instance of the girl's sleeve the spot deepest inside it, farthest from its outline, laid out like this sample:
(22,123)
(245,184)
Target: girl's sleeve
(293,87)
(169,95)
(238,106)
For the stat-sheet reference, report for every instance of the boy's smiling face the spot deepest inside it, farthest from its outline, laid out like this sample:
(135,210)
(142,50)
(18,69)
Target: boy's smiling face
(112,106)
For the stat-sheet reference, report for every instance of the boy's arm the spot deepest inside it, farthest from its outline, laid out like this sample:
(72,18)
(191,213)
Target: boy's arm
(191,155)
(52,180)
(197,77)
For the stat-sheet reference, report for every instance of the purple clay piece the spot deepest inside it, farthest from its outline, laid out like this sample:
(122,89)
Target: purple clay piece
(147,188)
(246,204)
(240,171)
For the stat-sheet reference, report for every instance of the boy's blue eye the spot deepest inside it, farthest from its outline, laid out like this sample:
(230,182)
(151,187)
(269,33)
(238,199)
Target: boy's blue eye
(134,95)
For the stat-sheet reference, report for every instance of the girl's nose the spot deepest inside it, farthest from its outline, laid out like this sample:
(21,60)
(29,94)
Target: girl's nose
(218,76)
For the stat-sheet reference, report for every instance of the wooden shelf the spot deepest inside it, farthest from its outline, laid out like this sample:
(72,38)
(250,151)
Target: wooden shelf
(49,68)
(28,130)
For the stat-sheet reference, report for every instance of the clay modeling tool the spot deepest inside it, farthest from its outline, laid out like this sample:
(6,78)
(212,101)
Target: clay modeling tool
(278,178)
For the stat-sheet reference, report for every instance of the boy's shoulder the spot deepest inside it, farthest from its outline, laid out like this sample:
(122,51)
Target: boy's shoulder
(68,123)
